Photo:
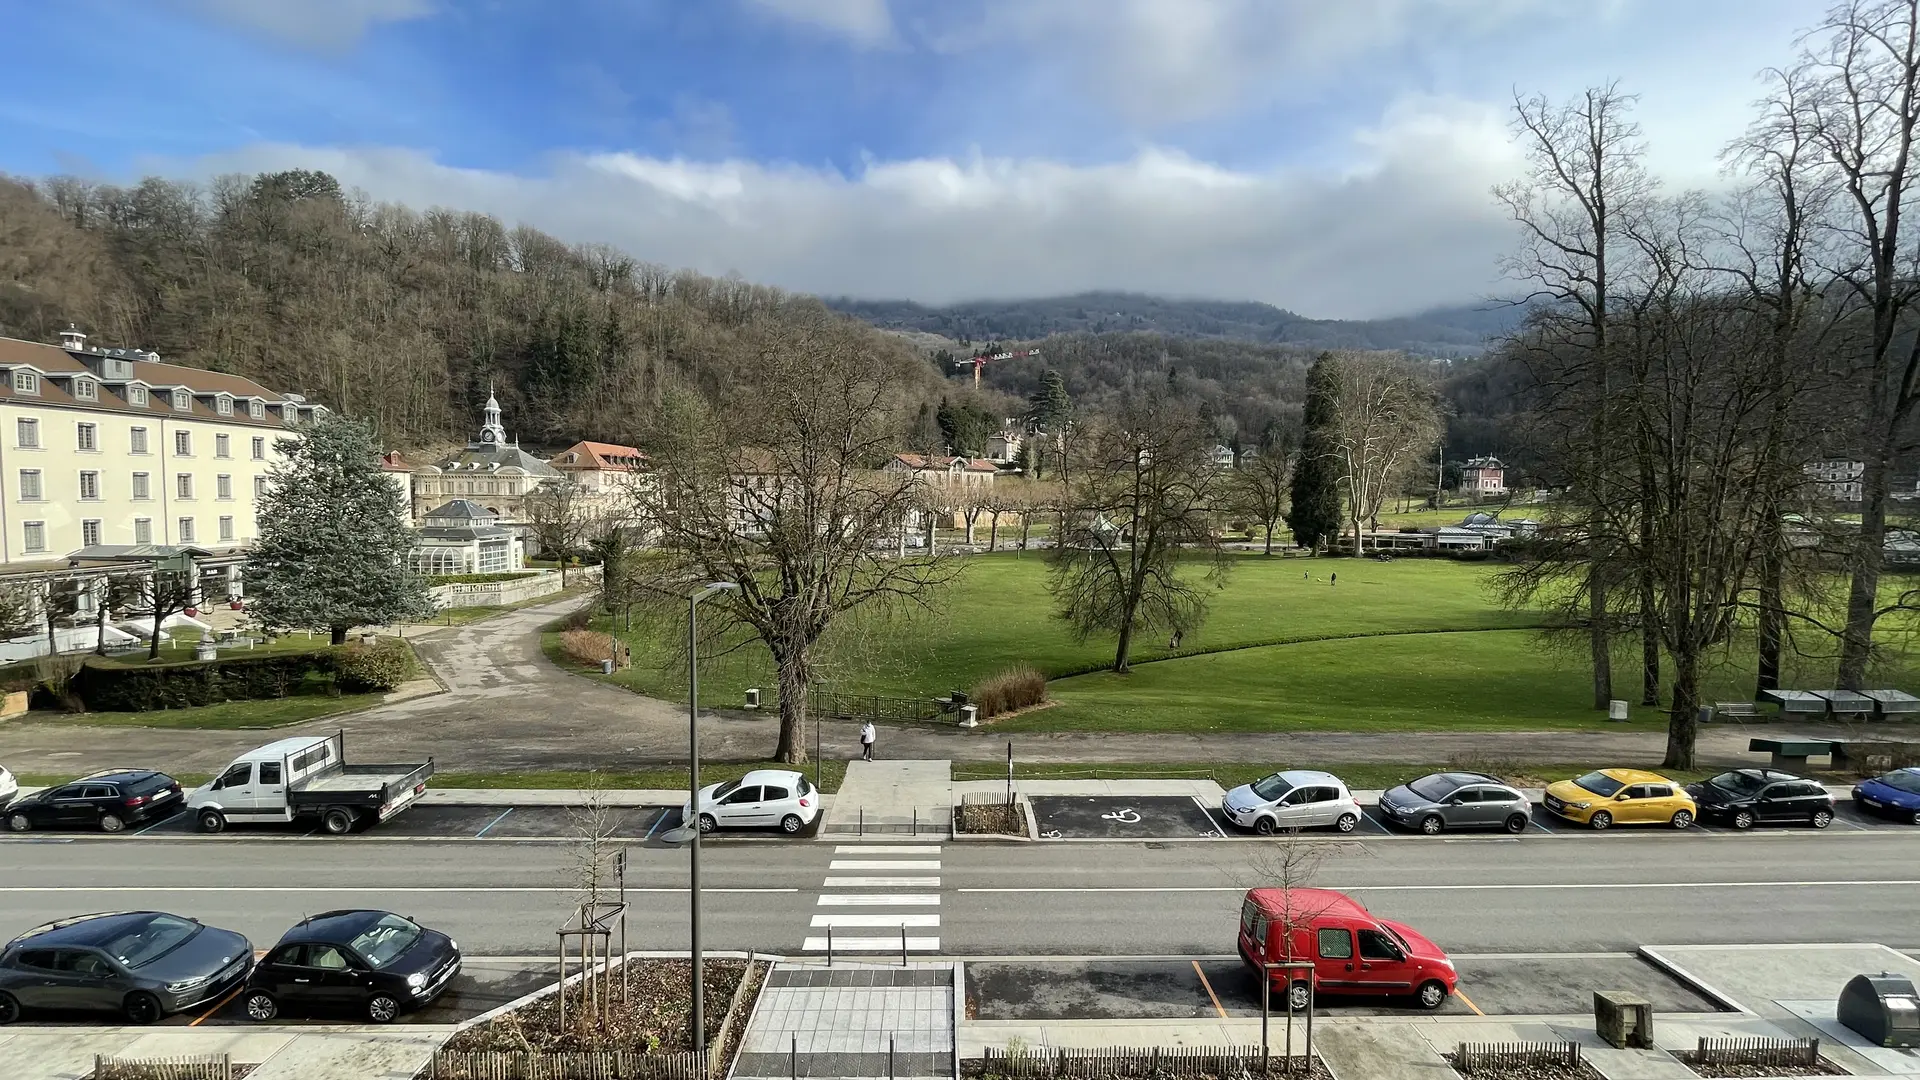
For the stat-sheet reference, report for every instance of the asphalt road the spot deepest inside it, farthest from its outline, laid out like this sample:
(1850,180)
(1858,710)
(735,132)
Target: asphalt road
(1528,894)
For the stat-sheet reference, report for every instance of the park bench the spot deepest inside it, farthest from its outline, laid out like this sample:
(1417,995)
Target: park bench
(1736,710)
(1791,753)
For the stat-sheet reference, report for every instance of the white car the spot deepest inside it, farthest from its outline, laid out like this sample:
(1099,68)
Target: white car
(764,798)
(9,787)
(1295,799)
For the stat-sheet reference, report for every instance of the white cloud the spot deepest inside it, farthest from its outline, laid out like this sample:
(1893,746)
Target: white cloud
(1410,228)
(867,23)
(325,24)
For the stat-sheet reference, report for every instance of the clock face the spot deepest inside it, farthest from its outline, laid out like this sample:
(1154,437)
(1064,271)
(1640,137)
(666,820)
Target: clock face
(486,436)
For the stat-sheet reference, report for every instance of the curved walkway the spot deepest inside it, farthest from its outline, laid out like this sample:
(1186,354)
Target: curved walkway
(507,708)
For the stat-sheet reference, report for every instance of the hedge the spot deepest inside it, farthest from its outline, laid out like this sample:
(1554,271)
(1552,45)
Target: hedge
(187,684)
(474,579)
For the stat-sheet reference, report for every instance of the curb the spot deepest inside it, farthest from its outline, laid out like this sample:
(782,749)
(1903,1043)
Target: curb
(1693,982)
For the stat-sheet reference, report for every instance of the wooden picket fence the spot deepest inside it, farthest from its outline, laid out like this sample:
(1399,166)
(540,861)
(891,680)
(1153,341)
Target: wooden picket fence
(190,1067)
(1514,1055)
(1757,1051)
(557,1065)
(1118,1062)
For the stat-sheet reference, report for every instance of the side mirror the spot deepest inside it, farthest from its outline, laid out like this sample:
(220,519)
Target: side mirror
(1456,801)
(1622,797)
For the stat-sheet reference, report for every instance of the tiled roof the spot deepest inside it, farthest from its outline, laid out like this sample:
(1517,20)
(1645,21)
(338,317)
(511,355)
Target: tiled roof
(943,462)
(599,455)
(52,360)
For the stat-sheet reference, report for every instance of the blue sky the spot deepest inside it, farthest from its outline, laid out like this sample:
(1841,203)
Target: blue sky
(1331,157)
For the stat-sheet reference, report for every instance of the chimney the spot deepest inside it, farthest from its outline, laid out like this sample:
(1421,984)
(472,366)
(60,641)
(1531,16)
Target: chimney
(72,339)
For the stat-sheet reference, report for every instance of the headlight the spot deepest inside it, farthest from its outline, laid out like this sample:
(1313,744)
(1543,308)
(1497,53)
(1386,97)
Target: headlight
(417,980)
(1580,805)
(454,945)
(186,984)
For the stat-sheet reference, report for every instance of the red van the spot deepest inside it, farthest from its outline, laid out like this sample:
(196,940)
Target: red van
(1352,952)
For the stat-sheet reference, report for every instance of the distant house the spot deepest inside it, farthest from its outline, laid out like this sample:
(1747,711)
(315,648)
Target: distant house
(400,475)
(463,537)
(1837,479)
(1483,476)
(1003,446)
(599,468)
(971,470)
(1902,548)
(492,470)
(1222,456)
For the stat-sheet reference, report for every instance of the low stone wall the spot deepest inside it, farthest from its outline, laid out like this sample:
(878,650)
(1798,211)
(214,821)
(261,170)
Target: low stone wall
(497,593)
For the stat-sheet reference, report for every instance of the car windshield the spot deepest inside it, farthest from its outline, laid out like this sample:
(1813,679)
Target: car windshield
(1600,784)
(1903,781)
(1433,788)
(140,945)
(1738,783)
(385,940)
(1272,787)
(724,790)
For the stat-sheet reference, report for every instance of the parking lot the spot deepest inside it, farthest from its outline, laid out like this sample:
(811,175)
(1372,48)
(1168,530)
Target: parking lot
(523,824)
(1523,985)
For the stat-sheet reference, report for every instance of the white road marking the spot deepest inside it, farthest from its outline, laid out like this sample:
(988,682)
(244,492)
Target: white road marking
(875,920)
(880,900)
(1217,827)
(422,889)
(884,864)
(1580,886)
(887,849)
(871,944)
(881,883)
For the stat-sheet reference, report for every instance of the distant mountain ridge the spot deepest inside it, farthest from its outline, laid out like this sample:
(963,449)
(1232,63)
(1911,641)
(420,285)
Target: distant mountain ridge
(1465,330)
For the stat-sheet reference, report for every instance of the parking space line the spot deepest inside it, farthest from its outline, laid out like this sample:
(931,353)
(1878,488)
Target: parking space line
(491,824)
(221,1004)
(1217,827)
(1366,815)
(1210,994)
(156,823)
(1467,1001)
(662,816)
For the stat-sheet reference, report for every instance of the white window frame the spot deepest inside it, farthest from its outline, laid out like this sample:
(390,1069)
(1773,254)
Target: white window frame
(143,530)
(183,486)
(226,528)
(26,382)
(222,446)
(223,487)
(223,405)
(137,441)
(86,437)
(257,409)
(89,478)
(259,448)
(185,530)
(27,541)
(136,395)
(38,483)
(259,487)
(89,525)
(182,400)
(183,444)
(142,487)
(26,433)
(85,390)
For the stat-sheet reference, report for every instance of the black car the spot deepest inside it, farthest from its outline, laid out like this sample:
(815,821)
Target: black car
(373,963)
(108,801)
(144,965)
(1744,798)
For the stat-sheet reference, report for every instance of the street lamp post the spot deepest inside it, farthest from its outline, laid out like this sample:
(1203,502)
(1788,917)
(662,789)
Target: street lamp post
(689,831)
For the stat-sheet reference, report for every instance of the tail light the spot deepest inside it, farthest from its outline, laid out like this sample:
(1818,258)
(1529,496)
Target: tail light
(136,800)
(804,803)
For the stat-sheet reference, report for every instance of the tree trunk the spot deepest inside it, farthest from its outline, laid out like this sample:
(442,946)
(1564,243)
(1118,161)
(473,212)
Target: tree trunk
(1597,638)
(563,571)
(100,626)
(1683,720)
(1649,643)
(1269,538)
(1026,527)
(993,530)
(1856,640)
(153,642)
(1123,648)
(971,517)
(795,666)
(1773,616)
(338,635)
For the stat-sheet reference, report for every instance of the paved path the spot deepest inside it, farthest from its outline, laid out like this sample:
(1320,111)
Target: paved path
(508,708)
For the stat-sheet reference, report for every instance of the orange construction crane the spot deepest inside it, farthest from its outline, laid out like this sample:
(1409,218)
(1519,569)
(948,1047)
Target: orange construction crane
(980,360)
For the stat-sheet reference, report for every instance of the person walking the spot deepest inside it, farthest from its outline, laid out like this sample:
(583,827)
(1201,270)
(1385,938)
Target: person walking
(1333,578)
(867,734)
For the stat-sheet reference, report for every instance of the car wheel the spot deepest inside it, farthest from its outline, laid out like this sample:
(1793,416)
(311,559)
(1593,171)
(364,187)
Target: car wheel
(1431,824)
(1347,822)
(260,1006)
(112,823)
(1683,819)
(9,1008)
(1600,821)
(1263,825)
(381,1009)
(338,821)
(1299,996)
(1743,820)
(792,823)
(212,821)
(1822,818)
(21,822)
(707,824)
(1516,823)
(143,1008)
(1914,818)
(1431,994)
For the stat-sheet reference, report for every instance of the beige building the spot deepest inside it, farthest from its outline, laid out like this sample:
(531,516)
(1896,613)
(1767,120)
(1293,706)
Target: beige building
(111,447)
(492,471)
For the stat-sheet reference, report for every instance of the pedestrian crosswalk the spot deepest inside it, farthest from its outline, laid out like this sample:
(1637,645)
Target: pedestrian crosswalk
(886,896)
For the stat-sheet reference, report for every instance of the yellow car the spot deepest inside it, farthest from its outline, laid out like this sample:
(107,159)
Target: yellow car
(1609,797)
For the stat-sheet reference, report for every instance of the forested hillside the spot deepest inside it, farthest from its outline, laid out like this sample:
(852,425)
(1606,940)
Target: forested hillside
(1447,332)
(398,315)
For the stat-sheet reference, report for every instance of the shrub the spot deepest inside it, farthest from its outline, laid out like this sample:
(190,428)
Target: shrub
(109,687)
(375,668)
(474,579)
(591,646)
(1018,687)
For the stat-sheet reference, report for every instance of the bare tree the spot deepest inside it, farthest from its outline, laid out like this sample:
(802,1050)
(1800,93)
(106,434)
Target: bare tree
(1258,488)
(788,499)
(1287,866)
(1137,550)
(1383,419)
(562,516)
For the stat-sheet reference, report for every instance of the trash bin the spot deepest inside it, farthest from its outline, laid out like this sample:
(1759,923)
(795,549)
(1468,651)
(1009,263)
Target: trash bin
(969,716)
(753,697)
(1616,709)
(1882,1008)
(606,667)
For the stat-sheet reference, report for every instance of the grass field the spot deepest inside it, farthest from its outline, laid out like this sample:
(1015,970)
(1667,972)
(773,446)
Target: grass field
(226,716)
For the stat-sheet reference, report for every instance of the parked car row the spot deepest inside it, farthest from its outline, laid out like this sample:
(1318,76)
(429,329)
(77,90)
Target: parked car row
(1600,800)
(147,965)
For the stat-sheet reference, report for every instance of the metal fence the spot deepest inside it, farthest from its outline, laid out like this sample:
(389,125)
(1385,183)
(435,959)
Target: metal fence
(1181,1062)
(1757,1051)
(836,706)
(1515,1055)
(534,1065)
(190,1067)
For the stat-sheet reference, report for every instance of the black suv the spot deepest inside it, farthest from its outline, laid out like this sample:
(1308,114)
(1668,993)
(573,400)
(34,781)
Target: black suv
(1744,798)
(108,801)
(374,963)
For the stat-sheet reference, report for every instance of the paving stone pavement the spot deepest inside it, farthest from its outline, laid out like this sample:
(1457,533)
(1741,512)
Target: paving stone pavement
(852,1020)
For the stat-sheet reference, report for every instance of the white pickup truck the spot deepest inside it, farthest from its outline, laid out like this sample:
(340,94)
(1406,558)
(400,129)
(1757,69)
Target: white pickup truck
(306,777)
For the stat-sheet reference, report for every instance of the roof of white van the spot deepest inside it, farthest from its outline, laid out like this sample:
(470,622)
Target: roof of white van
(283,747)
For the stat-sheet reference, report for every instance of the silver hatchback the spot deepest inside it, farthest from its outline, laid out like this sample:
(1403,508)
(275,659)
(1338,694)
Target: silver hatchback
(1457,800)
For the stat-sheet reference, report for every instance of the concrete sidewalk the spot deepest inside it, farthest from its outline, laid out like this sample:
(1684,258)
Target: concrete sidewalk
(893,796)
(395,1053)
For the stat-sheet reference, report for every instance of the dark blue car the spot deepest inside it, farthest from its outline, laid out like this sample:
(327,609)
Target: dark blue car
(1897,794)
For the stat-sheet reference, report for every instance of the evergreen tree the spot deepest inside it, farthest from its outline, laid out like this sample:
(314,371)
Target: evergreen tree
(1050,407)
(1314,513)
(332,552)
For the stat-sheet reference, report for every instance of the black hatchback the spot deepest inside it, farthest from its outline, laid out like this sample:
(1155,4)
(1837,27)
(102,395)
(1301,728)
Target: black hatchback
(373,963)
(141,964)
(109,801)
(1744,798)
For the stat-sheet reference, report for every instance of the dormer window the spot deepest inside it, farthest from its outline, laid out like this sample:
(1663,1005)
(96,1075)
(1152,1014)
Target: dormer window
(84,390)
(257,410)
(26,382)
(223,405)
(136,395)
(182,401)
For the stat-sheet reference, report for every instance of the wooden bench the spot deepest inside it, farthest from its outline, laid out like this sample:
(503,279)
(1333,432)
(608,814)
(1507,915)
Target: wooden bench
(1791,753)
(1736,710)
